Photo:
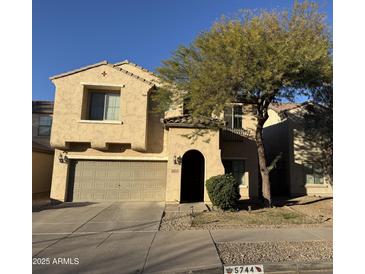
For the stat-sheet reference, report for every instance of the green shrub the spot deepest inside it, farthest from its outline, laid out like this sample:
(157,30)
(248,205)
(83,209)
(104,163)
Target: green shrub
(223,191)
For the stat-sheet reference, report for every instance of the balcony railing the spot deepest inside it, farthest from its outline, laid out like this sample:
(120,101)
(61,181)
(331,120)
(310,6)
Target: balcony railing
(236,134)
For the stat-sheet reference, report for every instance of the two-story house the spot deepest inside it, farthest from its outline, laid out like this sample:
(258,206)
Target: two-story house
(111,145)
(42,152)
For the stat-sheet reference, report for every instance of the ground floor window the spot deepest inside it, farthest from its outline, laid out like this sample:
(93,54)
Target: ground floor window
(236,168)
(315,176)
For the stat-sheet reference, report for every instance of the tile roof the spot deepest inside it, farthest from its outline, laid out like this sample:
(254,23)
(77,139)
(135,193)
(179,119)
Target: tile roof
(101,64)
(132,74)
(43,107)
(137,66)
(280,107)
(78,70)
(192,122)
(41,147)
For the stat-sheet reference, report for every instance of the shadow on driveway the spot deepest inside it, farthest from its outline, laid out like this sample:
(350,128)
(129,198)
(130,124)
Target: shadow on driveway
(51,205)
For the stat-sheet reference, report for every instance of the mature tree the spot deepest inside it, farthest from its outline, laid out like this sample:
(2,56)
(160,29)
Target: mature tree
(255,58)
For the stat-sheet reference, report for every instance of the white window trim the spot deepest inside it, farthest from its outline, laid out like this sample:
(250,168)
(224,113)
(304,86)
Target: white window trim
(95,85)
(101,122)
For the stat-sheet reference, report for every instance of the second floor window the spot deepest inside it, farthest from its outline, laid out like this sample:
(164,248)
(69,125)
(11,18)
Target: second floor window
(44,128)
(233,116)
(104,106)
(186,109)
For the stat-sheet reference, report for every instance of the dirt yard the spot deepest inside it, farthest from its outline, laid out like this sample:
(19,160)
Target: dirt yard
(320,209)
(302,212)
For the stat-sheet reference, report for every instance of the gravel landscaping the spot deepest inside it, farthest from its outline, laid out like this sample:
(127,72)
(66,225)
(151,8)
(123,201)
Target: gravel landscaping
(175,221)
(275,252)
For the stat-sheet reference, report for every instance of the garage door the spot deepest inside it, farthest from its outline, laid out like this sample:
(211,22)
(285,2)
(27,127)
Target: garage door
(117,180)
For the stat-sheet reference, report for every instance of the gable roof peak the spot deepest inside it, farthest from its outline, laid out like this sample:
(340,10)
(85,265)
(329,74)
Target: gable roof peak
(122,62)
(115,66)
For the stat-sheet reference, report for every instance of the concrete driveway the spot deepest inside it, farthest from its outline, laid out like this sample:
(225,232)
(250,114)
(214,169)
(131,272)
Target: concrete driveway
(112,237)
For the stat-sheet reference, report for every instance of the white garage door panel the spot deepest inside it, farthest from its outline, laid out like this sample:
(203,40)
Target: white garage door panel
(117,180)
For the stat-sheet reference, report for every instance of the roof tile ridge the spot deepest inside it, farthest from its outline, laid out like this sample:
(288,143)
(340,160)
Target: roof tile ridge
(136,65)
(131,74)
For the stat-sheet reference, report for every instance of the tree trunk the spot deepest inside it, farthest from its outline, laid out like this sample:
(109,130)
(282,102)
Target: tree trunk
(264,171)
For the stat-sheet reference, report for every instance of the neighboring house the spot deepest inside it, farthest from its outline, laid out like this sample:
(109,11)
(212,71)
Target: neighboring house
(111,145)
(42,152)
(302,168)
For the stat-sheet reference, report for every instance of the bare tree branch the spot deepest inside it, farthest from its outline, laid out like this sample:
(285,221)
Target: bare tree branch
(273,163)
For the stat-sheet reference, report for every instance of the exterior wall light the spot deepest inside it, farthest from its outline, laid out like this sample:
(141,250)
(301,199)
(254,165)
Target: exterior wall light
(177,160)
(63,158)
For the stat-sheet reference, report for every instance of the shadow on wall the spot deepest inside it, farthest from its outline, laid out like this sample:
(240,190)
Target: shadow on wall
(276,141)
(235,145)
(155,129)
(311,161)
(305,162)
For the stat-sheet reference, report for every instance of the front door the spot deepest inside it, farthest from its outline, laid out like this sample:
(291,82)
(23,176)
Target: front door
(192,177)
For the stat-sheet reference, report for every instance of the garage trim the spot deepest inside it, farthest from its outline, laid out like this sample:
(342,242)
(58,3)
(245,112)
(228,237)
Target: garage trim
(123,184)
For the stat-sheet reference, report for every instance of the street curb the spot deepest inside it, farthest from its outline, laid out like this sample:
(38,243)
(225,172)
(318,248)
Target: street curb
(293,267)
(197,270)
(316,266)
(269,268)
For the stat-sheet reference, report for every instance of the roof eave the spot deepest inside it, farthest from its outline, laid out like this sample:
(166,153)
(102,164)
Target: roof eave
(78,70)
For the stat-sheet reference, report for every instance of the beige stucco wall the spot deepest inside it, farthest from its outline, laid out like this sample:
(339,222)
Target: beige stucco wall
(274,118)
(59,178)
(178,144)
(249,120)
(42,164)
(319,190)
(156,150)
(69,125)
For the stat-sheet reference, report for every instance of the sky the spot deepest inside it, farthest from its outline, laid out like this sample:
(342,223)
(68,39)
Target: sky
(70,34)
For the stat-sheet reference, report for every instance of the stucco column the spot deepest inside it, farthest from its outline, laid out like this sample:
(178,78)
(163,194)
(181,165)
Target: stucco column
(59,178)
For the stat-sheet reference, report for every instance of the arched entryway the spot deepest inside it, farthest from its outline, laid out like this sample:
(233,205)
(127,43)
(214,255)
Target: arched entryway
(192,177)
